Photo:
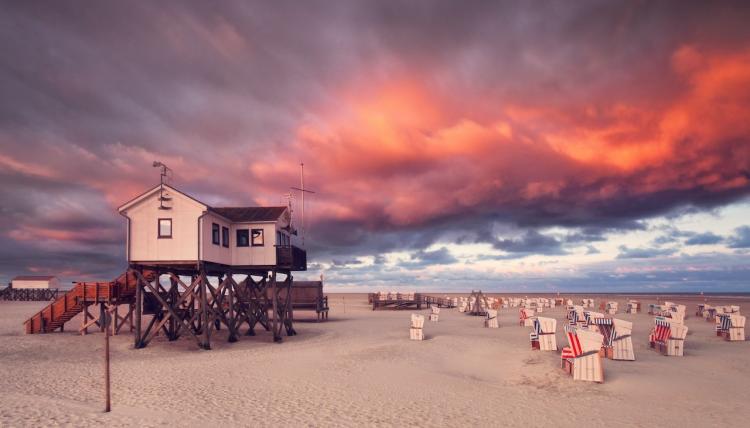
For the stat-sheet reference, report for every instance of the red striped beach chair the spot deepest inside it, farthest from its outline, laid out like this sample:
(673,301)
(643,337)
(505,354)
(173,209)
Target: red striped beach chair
(526,317)
(581,358)
(668,337)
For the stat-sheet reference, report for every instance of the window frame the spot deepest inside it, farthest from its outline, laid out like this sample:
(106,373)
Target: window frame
(158,228)
(215,234)
(224,236)
(247,237)
(262,237)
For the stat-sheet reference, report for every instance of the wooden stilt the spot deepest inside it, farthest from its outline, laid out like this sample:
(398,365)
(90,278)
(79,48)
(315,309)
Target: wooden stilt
(138,311)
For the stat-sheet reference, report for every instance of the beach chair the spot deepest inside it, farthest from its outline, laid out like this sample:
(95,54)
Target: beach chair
(434,313)
(678,317)
(612,307)
(543,336)
(605,327)
(668,337)
(491,319)
(736,330)
(416,329)
(528,317)
(633,307)
(581,357)
(622,342)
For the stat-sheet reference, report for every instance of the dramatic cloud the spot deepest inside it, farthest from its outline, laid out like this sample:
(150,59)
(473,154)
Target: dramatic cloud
(535,130)
(643,253)
(706,238)
(741,239)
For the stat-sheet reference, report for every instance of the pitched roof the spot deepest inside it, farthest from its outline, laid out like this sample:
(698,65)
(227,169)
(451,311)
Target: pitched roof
(247,214)
(33,278)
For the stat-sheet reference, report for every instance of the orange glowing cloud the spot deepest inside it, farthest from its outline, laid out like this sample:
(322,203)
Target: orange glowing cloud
(401,155)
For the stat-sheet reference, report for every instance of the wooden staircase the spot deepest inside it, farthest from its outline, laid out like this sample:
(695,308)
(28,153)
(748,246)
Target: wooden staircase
(70,304)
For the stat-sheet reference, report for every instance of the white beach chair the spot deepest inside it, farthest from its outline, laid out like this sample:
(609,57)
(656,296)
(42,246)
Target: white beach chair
(416,329)
(434,313)
(543,336)
(581,357)
(622,342)
(612,308)
(491,319)
(633,306)
(732,327)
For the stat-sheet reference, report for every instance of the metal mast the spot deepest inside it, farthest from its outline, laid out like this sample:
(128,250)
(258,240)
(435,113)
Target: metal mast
(302,190)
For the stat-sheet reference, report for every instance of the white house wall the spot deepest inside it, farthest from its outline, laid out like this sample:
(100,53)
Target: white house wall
(259,256)
(145,244)
(42,283)
(210,251)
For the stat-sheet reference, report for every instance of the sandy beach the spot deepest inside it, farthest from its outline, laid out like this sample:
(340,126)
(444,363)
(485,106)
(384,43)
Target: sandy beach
(360,368)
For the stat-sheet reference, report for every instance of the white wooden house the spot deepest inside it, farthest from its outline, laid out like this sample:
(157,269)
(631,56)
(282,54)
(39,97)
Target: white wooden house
(34,281)
(169,227)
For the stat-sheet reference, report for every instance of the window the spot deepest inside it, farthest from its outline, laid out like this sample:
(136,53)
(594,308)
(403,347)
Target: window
(257,237)
(165,228)
(225,236)
(215,233)
(243,238)
(279,240)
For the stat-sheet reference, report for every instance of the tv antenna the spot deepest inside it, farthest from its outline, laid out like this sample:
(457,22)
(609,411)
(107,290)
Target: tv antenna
(163,179)
(302,190)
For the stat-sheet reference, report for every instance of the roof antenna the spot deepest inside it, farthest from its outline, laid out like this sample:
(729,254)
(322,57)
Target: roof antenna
(302,190)
(163,176)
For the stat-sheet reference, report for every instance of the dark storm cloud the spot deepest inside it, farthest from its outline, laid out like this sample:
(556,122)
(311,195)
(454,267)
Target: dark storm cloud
(643,253)
(423,258)
(706,238)
(741,238)
(531,242)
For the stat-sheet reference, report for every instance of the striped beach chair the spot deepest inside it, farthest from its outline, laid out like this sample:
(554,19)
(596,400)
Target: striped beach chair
(731,327)
(668,337)
(526,317)
(581,357)
(605,327)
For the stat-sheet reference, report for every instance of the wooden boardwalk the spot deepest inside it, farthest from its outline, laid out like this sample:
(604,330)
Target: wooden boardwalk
(416,302)
(29,294)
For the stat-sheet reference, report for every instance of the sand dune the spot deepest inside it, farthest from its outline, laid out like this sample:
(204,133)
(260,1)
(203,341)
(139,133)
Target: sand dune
(360,369)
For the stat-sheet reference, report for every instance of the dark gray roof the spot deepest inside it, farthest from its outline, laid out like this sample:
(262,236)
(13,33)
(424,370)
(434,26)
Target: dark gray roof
(250,214)
(33,278)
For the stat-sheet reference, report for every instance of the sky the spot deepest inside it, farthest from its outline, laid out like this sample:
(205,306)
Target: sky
(508,146)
